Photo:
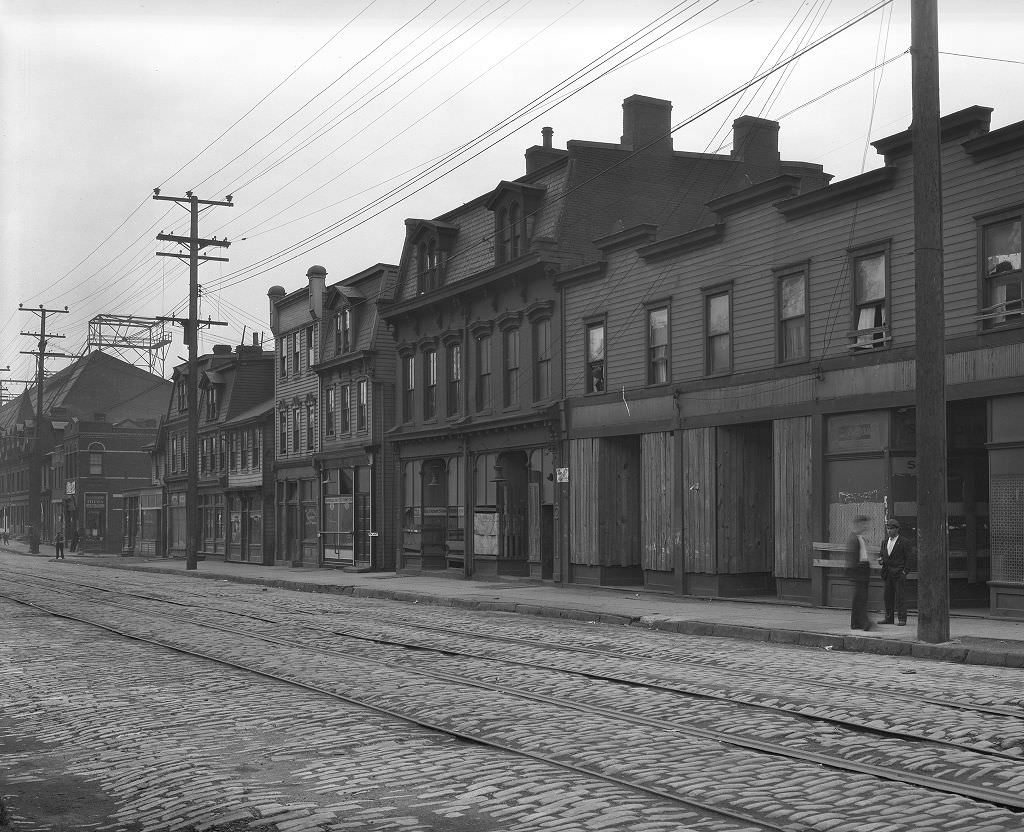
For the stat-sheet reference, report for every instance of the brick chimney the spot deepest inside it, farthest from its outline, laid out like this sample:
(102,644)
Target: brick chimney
(317,279)
(756,141)
(544,154)
(646,122)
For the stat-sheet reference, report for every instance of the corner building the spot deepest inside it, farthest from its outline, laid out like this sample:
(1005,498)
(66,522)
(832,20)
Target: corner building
(759,376)
(480,436)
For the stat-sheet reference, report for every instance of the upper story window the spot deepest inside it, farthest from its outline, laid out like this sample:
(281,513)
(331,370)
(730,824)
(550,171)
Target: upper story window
(870,301)
(515,231)
(282,367)
(483,371)
(343,331)
(454,369)
(541,359)
(510,382)
(310,347)
(296,429)
(212,403)
(718,332)
(222,456)
(595,382)
(310,426)
(295,352)
(257,448)
(330,404)
(343,409)
(362,393)
(282,439)
(1001,272)
(793,344)
(428,264)
(96,458)
(657,345)
(408,386)
(182,395)
(429,384)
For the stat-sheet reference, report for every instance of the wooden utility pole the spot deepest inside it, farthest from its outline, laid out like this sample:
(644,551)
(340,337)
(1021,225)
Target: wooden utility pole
(932,534)
(195,244)
(35,484)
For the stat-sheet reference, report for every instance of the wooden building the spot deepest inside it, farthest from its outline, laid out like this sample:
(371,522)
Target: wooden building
(758,379)
(334,383)
(235,456)
(480,331)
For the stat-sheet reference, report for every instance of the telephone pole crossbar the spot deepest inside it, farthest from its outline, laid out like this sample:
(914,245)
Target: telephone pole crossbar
(194,244)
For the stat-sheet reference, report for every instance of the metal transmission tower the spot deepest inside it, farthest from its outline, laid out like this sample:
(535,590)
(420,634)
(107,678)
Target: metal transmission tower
(139,341)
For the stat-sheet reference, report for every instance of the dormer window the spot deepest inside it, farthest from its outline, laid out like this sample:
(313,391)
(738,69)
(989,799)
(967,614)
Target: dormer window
(514,205)
(428,264)
(182,396)
(212,403)
(343,331)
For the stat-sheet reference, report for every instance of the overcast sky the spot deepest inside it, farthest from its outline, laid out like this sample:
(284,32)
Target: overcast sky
(320,118)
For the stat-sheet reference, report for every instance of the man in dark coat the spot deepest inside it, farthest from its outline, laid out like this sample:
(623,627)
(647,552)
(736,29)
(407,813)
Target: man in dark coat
(896,556)
(860,566)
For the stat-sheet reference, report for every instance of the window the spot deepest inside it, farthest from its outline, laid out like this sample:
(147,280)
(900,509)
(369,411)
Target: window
(310,426)
(329,405)
(483,372)
(295,352)
(870,319)
(542,360)
(233,446)
(429,266)
(429,384)
(182,395)
(1001,250)
(361,393)
(343,331)
(792,300)
(718,326)
(257,448)
(595,358)
(454,378)
(515,236)
(509,232)
(408,386)
(343,408)
(282,369)
(282,441)
(657,345)
(296,428)
(510,391)
(223,457)
(96,458)
(211,402)
(310,354)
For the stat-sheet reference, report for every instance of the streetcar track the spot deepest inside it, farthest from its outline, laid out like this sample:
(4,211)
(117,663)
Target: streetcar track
(994,797)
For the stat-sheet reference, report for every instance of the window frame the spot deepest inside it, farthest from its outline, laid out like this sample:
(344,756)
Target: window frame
(542,359)
(330,406)
(453,378)
(708,294)
(429,366)
(362,403)
(296,437)
(96,451)
(859,337)
(296,360)
(653,307)
(484,359)
(783,274)
(990,319)
(344,420)
(510,360)
(408,385)
(590,384)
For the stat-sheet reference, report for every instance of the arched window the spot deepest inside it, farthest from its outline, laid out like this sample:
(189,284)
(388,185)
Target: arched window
(96,450)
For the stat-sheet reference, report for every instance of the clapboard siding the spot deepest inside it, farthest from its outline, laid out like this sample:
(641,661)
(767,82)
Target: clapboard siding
(656,501)
(699,520)
(793,504)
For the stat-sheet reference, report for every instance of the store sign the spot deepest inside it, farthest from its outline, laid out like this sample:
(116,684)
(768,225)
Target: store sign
(70,488)
(97,501)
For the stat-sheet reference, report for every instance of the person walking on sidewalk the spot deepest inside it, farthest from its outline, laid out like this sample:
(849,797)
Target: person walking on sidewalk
(857,553)
(895,556)
(75,538)
(58,545)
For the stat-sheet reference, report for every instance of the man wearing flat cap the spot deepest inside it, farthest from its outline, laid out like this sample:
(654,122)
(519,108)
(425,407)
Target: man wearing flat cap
(896,555)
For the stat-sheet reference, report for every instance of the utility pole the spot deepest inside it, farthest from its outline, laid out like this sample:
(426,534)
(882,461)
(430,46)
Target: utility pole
(3,393)
(932,533)
(35,487)
(190,325)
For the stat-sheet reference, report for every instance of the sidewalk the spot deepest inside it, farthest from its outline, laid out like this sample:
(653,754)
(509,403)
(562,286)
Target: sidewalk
(975,638)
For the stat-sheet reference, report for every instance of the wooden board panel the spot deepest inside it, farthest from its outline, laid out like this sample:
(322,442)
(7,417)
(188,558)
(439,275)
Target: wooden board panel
(793,504)
(699,505)
(656,500)
(744,493)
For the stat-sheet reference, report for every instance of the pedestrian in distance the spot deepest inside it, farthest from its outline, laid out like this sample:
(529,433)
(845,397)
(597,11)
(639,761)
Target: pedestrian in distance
(75,538)
(860,566)
(895,556)
(58,545)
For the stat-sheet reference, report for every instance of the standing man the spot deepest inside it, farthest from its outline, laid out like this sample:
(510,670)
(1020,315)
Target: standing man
(860,566)
(895,556)
(58,545)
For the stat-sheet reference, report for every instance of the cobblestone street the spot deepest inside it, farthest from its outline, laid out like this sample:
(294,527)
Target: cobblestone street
(332,713)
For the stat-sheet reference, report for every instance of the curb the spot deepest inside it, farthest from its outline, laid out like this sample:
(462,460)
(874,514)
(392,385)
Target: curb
(948,652)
